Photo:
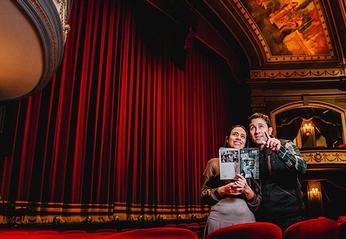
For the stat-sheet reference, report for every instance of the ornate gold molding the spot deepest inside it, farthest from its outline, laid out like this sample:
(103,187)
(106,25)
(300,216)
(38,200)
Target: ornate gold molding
(51,36)
(297,73)
(44,17)
(324,156)
(63,7)
(24,212)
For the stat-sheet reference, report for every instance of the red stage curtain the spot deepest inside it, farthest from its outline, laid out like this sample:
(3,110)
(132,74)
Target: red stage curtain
(121,121)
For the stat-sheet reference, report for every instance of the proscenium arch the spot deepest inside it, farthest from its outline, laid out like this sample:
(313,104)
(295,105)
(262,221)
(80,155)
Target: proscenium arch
(309,104)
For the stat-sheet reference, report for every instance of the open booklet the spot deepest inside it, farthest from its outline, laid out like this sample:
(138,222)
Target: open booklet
(238,161)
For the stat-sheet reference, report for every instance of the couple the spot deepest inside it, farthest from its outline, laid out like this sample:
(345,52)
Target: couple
(276,197)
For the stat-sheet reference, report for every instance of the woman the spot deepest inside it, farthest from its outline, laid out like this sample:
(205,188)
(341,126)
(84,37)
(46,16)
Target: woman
(232,201)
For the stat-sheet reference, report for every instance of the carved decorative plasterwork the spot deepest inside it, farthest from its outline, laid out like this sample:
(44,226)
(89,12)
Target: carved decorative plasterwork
(324,156)
(45,18)
(63,7)
(297,73)
(51,37)
(302,46)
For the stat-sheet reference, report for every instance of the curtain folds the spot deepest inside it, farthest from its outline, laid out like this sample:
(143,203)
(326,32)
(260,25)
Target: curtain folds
(290,131)
(121,120)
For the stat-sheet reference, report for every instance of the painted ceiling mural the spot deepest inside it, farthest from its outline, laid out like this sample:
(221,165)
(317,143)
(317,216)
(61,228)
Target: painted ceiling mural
(289,30)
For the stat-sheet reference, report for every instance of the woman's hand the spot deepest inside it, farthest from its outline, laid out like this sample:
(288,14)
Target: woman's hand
(244,187)
(239,186)
(230,189)
(240,182)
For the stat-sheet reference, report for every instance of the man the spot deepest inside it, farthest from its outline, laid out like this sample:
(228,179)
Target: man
(281,164)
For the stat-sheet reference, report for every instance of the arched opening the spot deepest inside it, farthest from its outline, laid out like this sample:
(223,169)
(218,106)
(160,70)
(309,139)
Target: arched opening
(312,125)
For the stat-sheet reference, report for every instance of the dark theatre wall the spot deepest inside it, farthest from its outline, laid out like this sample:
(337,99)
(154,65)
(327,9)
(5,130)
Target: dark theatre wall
(125,128)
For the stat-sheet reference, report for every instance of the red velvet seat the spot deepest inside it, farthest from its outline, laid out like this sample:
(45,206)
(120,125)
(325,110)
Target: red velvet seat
(14,231)
(341,219)
(46,236)
(342,228)
(252,230)
(193,224)
(82,236)
(318,228)
(182,225)
(14,234)
(75,231)
(170,225)
(342,146)
(67,236)
(106,231)
(44,232)
(194,228)
(159,233)
(126,229)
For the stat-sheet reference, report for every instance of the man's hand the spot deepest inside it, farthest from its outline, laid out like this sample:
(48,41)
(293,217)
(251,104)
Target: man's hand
(272,143)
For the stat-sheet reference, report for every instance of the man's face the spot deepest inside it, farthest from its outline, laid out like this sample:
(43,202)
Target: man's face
(259,131)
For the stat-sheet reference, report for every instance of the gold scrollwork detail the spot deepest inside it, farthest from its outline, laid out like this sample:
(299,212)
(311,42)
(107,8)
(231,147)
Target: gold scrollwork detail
(318,157)
(63,9)
(295,73)
(325,157)
(308,157)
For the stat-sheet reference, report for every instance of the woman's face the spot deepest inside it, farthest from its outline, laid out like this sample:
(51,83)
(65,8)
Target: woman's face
(237,138)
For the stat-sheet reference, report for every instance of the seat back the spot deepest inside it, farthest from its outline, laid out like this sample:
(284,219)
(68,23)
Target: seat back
(317,228)
(252,230)
(341,219)
(158,232)
(342,228)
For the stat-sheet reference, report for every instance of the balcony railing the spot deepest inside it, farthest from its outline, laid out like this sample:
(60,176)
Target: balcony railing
(324,156)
